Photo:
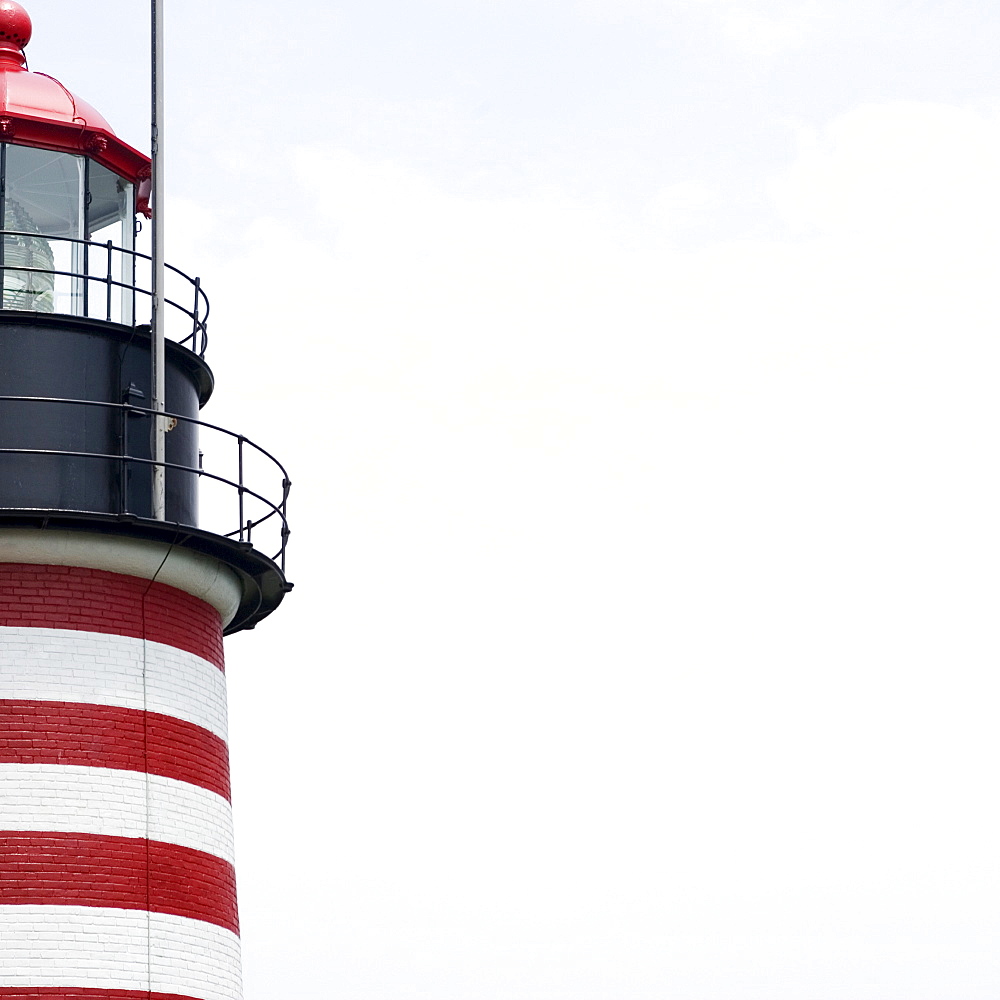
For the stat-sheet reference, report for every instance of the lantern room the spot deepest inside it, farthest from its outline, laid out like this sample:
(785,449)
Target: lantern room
(53,205)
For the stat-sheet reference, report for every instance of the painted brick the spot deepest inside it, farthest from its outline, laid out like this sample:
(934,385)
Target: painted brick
(53,947)
(43,664)
(116,876)
(69,993)
(69,869)
(94,600)
(49,732)
(67,799)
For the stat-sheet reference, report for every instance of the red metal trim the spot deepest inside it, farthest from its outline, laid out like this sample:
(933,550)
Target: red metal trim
(125,739)
(75,869)
(79,139)
(144,197)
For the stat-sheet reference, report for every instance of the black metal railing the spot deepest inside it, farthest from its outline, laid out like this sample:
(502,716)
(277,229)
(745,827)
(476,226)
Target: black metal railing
(257,514)
(89,290)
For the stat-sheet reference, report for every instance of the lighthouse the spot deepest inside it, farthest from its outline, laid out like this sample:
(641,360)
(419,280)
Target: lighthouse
(117,875)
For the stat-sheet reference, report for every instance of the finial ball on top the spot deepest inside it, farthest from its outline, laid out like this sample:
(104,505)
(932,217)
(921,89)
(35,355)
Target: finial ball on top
(15,25)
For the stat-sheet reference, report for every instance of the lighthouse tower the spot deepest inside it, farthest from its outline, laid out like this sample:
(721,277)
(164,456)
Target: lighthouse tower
(116,848)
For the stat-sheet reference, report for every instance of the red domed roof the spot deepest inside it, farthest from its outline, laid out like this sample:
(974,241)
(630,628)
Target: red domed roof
(40,96)
(37,110)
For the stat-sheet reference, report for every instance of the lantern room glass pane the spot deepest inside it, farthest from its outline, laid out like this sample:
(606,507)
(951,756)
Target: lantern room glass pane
(54,206)
(110,219)
(43,196)
(44,190)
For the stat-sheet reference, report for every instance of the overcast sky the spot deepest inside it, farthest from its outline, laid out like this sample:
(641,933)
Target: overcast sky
(636,365)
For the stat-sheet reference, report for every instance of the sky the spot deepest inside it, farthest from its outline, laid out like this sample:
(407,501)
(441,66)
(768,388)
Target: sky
(635,365)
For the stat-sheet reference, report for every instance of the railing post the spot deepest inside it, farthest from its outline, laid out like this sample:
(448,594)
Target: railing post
(109,245)
(240,440)
(134,278)
(199,347)
(286,485)
(86,273)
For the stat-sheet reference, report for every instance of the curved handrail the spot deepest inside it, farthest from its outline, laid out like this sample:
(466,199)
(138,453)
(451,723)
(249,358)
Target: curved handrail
(197,315)
(244,530)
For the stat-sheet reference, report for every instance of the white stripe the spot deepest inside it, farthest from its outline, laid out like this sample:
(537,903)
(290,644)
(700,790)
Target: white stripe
(106,949)
(42,664)
(56,798)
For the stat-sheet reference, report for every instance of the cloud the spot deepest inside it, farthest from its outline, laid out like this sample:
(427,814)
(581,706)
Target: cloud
(759,27)
(681,207)
(898,173)
(623,545)
(767,28)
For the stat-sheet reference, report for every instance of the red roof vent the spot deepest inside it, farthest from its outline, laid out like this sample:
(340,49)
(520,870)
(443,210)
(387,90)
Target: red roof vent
(37,110)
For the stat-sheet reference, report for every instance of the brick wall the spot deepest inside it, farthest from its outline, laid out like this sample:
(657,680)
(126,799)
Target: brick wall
(93,600)
(116,868)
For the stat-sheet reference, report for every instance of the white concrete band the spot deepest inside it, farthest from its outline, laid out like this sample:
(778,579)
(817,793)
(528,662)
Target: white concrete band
(196,574)
(63,798)
(107,949)
(94,668)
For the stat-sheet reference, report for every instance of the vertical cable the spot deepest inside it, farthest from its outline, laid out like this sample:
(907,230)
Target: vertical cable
(3,217)
(145,765)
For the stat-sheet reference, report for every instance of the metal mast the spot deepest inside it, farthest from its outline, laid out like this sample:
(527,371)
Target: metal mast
(157,353)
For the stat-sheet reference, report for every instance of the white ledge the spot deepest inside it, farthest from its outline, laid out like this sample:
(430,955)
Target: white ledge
(196,574)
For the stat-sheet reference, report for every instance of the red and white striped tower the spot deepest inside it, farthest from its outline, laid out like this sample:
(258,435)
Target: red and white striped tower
(116,843)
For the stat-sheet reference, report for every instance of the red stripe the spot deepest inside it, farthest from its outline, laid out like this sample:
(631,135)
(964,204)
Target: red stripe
(73,869)
(92,600)
(73,993)
(128,739)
